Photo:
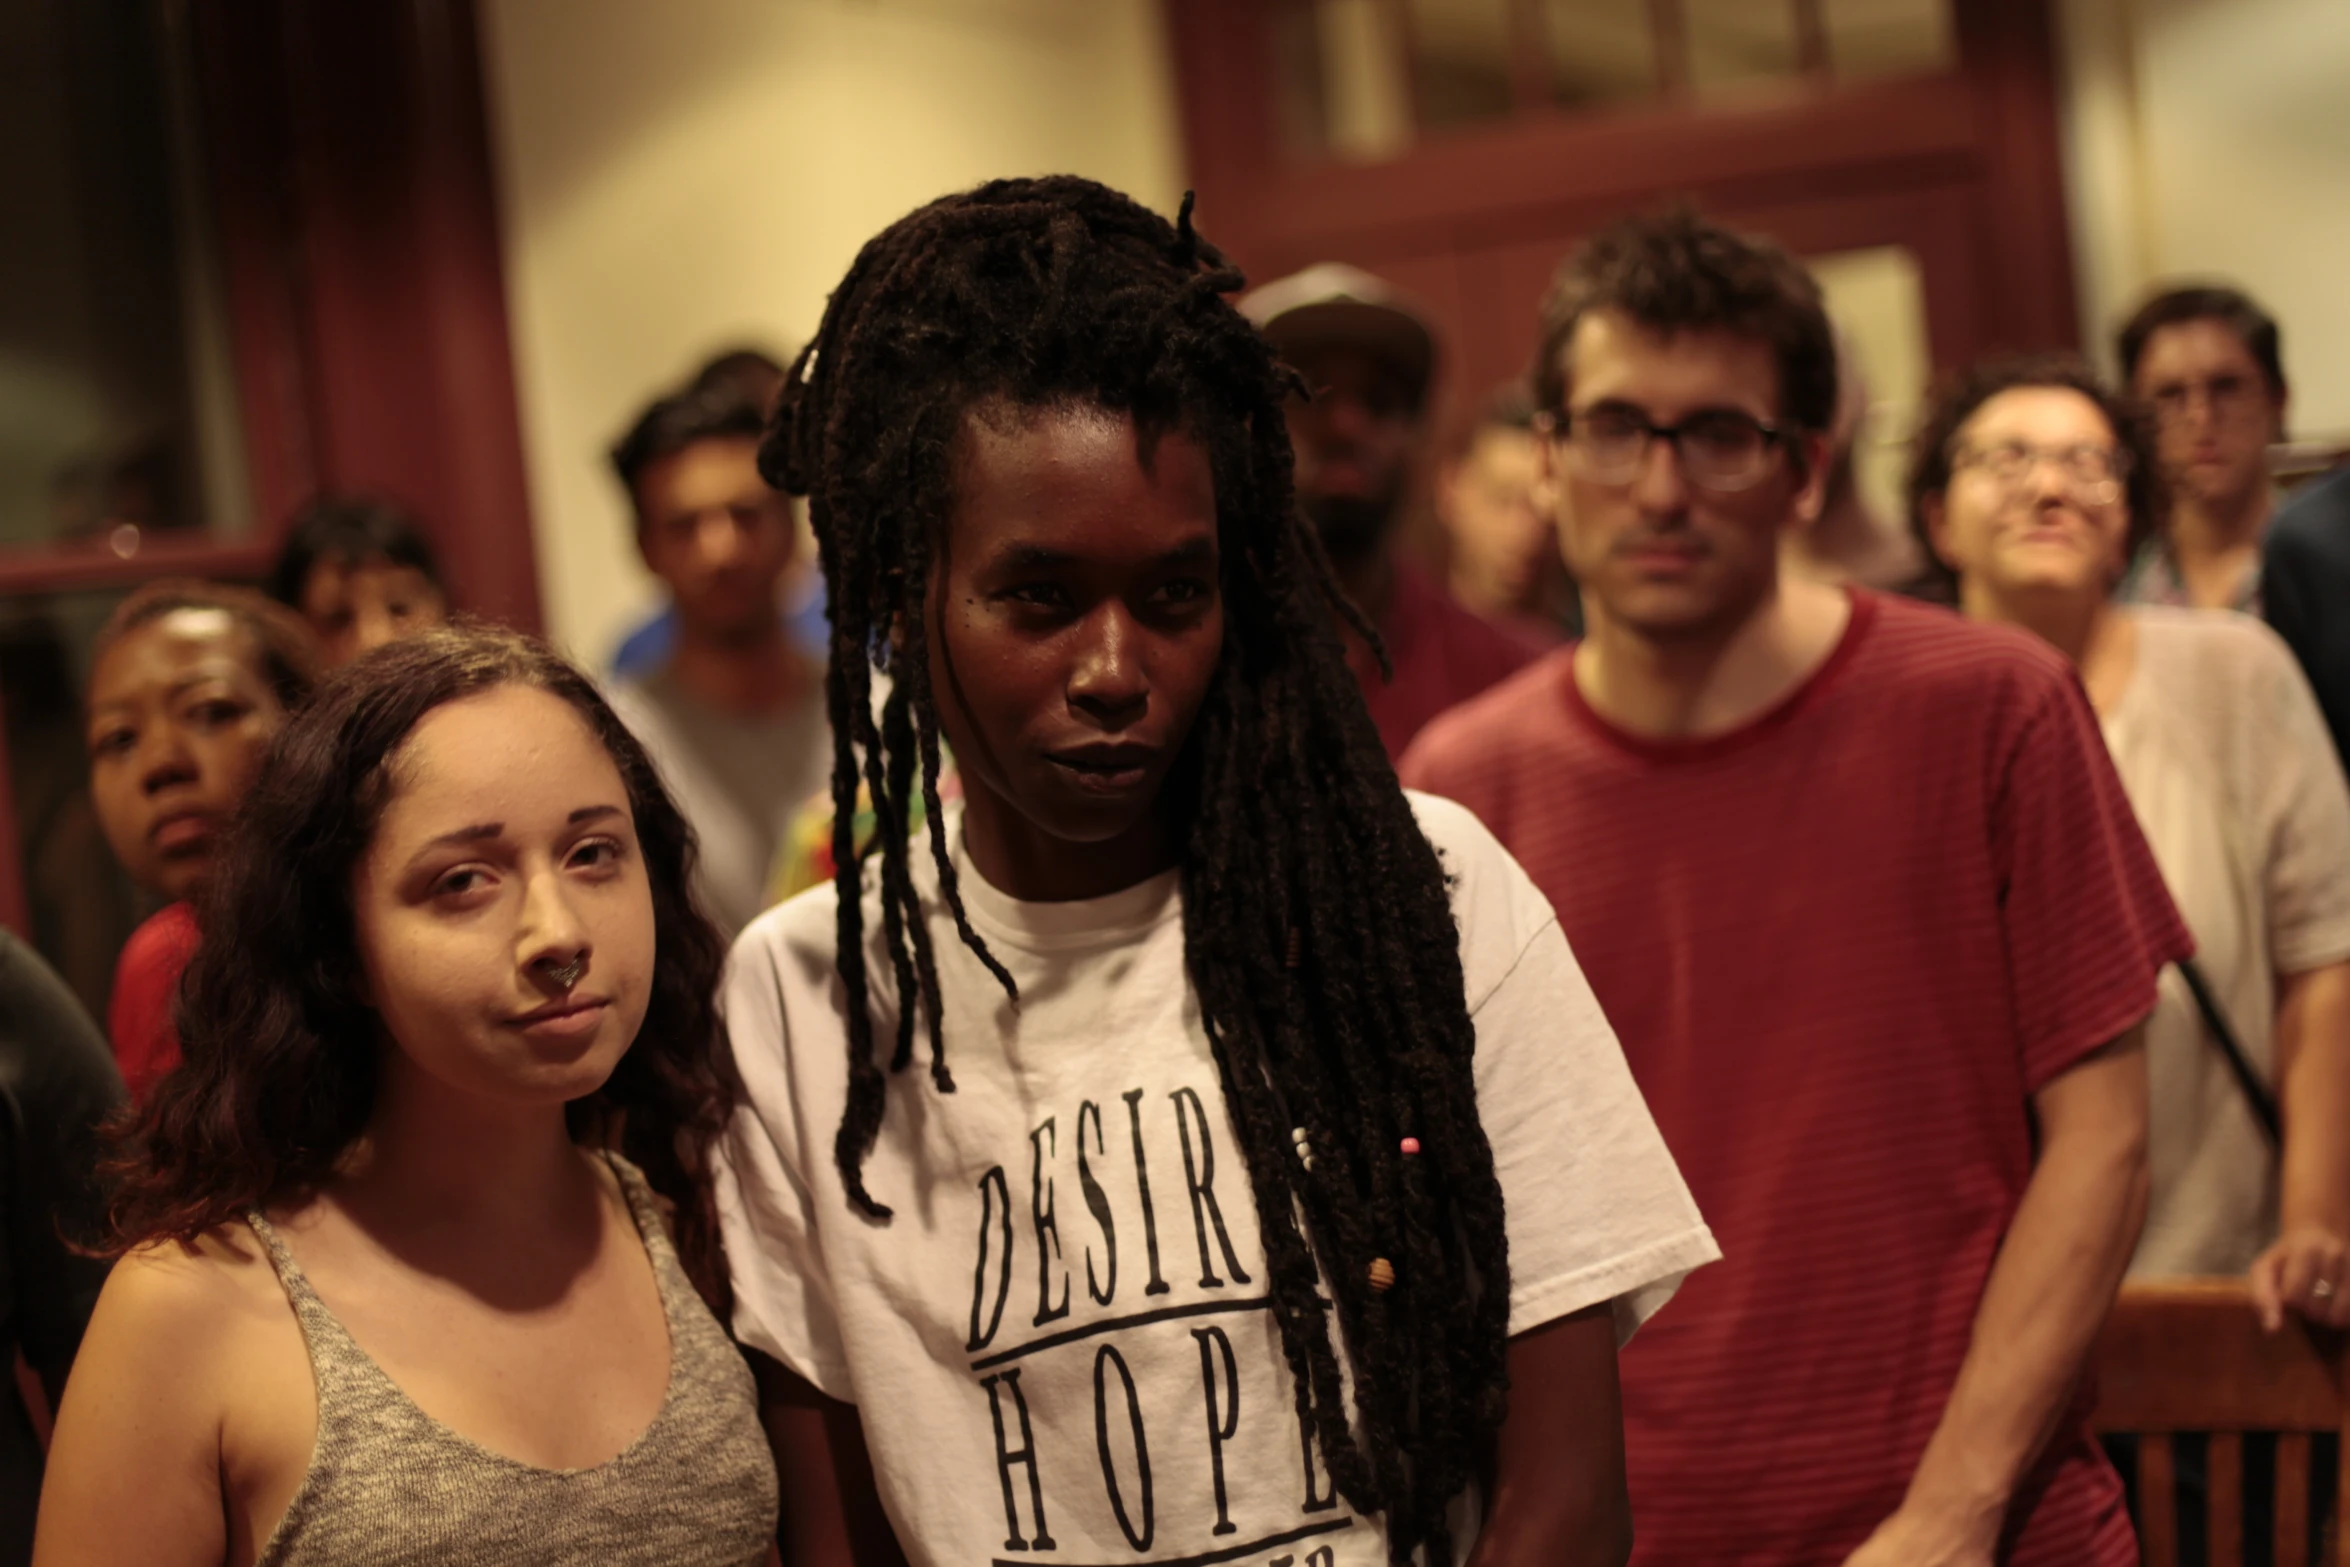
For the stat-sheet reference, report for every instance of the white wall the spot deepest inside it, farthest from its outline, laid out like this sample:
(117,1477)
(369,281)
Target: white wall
(2212,138)
(679,177)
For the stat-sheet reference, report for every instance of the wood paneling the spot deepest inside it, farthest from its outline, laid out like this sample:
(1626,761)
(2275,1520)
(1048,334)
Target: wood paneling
(1961,168)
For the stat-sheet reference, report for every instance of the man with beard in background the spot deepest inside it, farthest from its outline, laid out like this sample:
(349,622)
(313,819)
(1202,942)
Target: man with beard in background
(1370,358)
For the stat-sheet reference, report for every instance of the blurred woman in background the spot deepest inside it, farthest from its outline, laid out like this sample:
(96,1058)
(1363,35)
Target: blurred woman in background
(190,682)
(2033,487)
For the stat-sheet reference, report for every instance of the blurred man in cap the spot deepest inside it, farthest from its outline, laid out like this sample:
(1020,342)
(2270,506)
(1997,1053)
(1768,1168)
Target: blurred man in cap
(1370,357)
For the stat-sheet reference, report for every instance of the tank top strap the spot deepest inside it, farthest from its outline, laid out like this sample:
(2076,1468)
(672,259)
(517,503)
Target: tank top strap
(652,1227)
(338,1365)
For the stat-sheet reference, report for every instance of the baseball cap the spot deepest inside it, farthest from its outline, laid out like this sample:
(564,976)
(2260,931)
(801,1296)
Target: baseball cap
(1332,305)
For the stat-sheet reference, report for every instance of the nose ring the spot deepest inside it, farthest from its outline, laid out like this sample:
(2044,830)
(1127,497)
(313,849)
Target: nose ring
(567,975)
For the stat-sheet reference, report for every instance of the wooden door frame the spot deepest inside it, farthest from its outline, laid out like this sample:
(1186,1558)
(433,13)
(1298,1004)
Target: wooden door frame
(1991,124)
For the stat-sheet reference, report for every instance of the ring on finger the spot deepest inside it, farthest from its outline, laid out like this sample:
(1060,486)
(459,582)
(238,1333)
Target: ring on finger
(2323,1289)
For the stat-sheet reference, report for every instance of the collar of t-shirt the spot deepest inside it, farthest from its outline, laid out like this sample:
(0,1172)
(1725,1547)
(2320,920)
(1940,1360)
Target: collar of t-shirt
(1060,927)
(1806,695)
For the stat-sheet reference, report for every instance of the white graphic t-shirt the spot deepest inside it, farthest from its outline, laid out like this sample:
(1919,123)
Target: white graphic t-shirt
(1061,1346)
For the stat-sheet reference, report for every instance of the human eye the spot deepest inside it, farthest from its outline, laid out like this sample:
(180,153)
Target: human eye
(2092,464)
(598,855)
(1044,597)
(217,712)
(1721,435)
(1610,425)
(113,740)
(1186,590)
(463,884)
(2007,459)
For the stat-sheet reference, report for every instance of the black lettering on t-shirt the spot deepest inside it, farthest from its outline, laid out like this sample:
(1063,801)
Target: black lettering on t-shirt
(1223,1401)
(1323,1556)
(1025,1454)
(1104,1360)
(1142,1181)
(1097,1202)
(1048,1228)
(995,1207)
(1317,1500)
(1200,1175)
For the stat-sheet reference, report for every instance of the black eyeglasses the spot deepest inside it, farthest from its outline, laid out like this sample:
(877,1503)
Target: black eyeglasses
(1717,448)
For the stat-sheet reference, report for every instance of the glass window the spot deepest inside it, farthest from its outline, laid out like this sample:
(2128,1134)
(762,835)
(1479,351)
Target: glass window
(1735,45)
(117,395)
(1601,51)
(1877,299)
(1876,38)
(1366,79)
(1462,60)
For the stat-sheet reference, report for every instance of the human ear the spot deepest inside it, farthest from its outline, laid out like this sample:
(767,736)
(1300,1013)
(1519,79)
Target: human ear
(1810,452)
(1937,520)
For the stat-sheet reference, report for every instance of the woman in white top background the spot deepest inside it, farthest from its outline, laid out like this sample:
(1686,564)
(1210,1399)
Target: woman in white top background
(2032,487)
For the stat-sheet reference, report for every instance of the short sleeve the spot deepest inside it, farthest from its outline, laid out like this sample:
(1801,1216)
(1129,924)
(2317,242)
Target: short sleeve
(2304,805)
(2087,922)
(783,1303)
(1596,1210)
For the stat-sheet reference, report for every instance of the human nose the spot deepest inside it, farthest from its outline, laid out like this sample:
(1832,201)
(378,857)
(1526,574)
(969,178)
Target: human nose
(1108,679)
(372,628)
(552,937)
(1658,484)
(164,758)
(718,538)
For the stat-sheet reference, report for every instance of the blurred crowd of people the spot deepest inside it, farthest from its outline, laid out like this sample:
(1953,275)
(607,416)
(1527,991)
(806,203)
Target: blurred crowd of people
(1840,951)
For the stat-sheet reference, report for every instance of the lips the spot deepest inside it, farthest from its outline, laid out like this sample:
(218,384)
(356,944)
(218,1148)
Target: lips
(569,1018)
(183,831)
(1108,768)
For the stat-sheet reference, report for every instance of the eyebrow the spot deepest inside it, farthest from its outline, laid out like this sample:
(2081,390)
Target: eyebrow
(177,688)
(1044,557)
(481,830)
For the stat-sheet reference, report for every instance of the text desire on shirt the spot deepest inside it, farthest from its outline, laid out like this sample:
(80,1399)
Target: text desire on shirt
(1122,1333)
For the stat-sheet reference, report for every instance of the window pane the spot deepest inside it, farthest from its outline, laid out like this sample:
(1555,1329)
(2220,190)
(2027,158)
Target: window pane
(1366,91)
(1461,53)
(117,397)
(1735,45)
(1872,38)
(1601,51)
(1877,299)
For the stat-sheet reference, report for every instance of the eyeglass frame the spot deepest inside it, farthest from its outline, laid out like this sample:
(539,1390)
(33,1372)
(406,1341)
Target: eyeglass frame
(1556,425)
(2111,490)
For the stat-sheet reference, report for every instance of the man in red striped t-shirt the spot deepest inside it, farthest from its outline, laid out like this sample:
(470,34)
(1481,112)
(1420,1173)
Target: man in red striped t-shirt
(1862,895)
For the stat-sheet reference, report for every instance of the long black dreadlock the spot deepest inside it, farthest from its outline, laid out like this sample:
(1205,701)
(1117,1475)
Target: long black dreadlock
(1317,929)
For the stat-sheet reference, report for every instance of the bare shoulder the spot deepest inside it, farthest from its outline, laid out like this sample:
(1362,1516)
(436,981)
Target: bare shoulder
(184,1311)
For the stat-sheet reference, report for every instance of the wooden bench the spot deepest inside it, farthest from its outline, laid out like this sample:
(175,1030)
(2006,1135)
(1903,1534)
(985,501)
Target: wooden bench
(2189,1356)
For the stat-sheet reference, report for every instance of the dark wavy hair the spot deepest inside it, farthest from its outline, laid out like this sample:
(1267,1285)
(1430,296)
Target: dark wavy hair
(350,530)
(2231,308)
(1960,398)
(1317,930)
(1673,271)
(279,1052)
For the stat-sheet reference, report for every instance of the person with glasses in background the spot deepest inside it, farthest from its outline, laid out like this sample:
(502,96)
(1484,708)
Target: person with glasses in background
(2032,483)
(2206,361)
(1858,887)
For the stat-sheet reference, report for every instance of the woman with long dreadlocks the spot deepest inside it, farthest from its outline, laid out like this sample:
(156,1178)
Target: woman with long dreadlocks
(1194,1247)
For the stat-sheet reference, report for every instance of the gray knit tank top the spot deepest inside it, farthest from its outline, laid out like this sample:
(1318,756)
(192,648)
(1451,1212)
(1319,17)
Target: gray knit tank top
(390,1486)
